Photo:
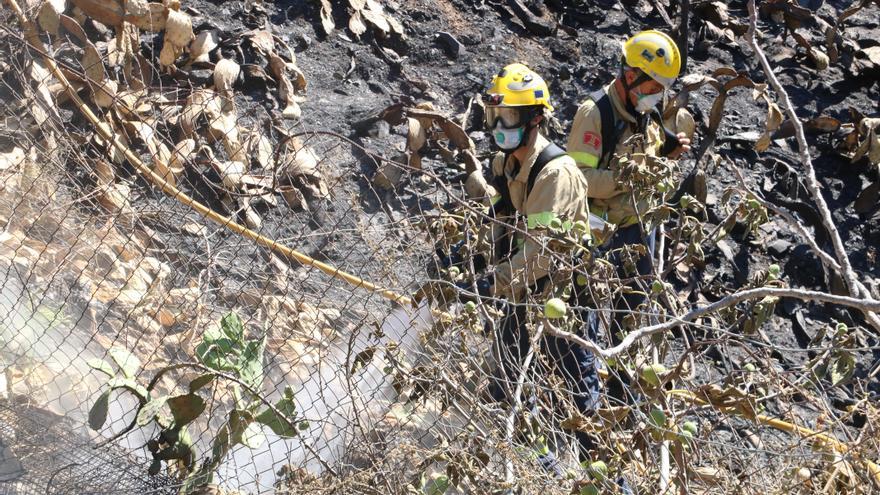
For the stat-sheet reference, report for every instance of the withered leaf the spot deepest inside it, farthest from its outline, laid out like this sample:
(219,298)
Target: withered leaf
(151,19)
(108,12)
(225,74)
(71,26)
(202,45)
(327,17)
(92,64)
(180,154)
(48,18)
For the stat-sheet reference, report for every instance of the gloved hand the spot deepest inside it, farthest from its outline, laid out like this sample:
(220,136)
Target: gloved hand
(455,258)
(484,288)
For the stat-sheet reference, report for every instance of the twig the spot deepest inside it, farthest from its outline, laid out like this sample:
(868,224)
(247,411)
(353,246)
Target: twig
(509,422)
(812,182)
(865,305)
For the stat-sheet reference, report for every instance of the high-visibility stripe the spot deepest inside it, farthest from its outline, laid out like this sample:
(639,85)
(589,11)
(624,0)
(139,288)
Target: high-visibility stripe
(541,219)
(584,159)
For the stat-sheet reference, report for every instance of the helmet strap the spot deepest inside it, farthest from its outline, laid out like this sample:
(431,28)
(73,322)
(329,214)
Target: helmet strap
(627,87)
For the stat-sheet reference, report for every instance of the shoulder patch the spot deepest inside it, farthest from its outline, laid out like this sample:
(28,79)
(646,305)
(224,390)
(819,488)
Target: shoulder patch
(592,139)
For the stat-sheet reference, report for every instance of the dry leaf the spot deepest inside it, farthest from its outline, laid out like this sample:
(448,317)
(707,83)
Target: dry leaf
(180,155)
(225,74)
(377,19)
(159,153)
(41,76)
(327,17)
(115,197)
(230,173)
(107,12)
(49,18)
(151,17)
(201,47)
(870,147)
(356,24)
(12,158)
(74,28)
(178,34)
(262,41)
(260,149)
(104,93)
(105,172)
(200,102)
(92,64)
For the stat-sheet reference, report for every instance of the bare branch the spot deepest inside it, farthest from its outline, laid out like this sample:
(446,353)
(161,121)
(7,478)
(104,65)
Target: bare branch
(865,305)
(812,182)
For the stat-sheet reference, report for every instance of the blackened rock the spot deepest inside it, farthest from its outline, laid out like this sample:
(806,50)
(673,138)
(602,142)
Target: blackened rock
(451,45)
(201,77)
(778,248)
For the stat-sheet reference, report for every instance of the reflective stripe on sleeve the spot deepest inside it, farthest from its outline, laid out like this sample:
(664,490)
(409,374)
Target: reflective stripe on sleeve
(584,159)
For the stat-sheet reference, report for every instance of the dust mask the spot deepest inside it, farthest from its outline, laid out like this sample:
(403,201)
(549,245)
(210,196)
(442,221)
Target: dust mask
(647,103)
(508,139)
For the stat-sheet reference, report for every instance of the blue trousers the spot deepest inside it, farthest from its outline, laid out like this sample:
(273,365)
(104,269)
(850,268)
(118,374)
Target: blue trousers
(617,385)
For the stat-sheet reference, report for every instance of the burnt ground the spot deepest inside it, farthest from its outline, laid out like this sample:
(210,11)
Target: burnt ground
(351,80)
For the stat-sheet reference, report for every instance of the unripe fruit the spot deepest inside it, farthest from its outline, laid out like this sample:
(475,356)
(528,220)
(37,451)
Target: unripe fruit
(841,328)
(470,306)
(454,271)
(599,470)
(580,227)
(555,308)
(657,287)
(690,427)
(773,271)
(658,417)
(750,368)
(581,280)
(651,374)
(685,437)
(589,489)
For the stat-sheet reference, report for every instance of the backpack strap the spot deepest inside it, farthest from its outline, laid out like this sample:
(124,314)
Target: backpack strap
(547,155)
(610,133)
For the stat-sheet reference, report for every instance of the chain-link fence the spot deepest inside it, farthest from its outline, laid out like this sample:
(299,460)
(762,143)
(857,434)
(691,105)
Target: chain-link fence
(199,295)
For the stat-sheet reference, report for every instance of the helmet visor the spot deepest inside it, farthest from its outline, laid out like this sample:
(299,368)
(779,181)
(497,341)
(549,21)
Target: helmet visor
(509,117)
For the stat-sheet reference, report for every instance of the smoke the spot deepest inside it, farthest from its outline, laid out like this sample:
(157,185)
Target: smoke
(329,405)
(48,345)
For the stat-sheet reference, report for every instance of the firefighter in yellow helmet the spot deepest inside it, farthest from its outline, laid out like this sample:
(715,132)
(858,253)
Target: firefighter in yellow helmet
(631,103)
(539,186)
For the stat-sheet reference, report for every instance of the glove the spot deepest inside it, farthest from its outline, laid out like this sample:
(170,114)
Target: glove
(454,258)
(484,289)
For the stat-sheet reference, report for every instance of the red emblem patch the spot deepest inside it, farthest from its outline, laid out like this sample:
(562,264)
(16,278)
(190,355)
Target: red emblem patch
(592,139)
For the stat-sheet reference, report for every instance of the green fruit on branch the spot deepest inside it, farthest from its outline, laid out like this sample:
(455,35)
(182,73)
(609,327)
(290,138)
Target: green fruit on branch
(690,427)
(555,308)
(598,470)
(773,271)
(652,373)
(470,306)
(657,417)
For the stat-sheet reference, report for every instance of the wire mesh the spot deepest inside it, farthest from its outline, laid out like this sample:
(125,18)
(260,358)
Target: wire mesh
(116,291)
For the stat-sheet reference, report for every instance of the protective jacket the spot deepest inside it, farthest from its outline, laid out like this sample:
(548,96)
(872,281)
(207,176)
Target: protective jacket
(588,146)
(559,191)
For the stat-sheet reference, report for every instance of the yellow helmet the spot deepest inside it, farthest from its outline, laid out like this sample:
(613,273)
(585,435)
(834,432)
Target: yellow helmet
(656,54)
(518,86)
